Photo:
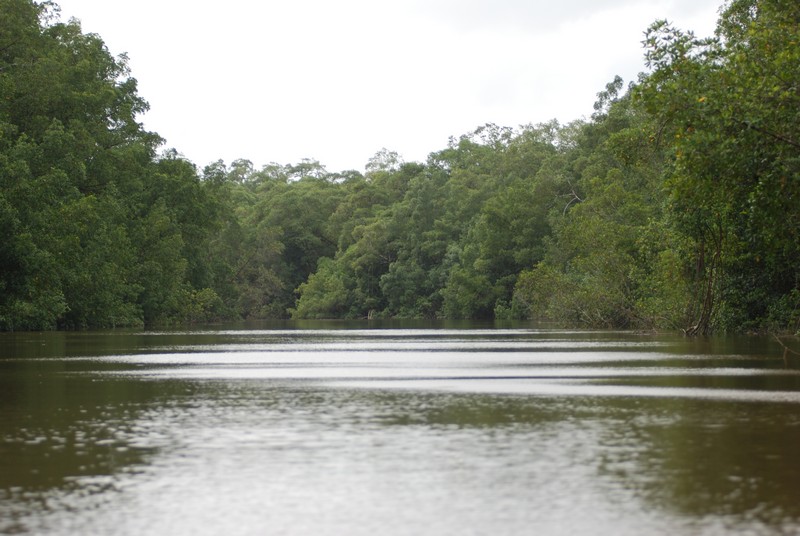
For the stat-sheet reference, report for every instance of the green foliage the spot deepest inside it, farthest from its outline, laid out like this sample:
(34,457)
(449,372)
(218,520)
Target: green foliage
(674,206)
(666,276)
(547,294)
(324,294)
(729,106)
(96,257)
(202,305)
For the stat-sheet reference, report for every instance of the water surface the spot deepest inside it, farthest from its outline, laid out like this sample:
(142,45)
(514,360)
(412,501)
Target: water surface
(396,431)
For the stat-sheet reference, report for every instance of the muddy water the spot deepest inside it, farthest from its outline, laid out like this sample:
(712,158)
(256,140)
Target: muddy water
(397,431)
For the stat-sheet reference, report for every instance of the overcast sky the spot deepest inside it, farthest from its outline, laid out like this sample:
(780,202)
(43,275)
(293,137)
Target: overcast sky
(336,81)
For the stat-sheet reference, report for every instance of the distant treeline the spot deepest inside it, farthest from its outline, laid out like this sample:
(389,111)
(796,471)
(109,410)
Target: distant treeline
(675,206)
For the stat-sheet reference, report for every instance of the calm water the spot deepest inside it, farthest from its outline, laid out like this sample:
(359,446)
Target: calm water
(397,431)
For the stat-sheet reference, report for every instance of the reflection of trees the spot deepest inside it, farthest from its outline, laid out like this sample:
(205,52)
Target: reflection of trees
(64,436)
(59,426)
(68,441)
(703,459)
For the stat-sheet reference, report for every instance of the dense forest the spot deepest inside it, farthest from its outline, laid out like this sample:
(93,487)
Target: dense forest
(676,205)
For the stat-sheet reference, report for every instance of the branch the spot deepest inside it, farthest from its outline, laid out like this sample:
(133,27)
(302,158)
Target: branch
(786,349)
(575,197)
(774,135)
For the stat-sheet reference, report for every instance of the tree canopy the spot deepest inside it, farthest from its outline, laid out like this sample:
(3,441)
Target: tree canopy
(676,205)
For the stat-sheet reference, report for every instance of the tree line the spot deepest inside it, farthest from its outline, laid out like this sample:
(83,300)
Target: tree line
(676,205)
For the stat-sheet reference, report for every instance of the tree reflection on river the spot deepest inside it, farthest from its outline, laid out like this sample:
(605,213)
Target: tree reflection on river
(396,431)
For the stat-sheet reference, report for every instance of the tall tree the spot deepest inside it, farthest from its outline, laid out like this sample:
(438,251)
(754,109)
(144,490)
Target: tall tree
(730,105)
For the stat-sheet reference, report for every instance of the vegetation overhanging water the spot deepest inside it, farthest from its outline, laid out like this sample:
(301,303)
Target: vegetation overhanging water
(674,206)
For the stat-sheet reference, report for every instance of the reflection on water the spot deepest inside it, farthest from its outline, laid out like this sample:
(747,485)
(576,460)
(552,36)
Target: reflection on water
(396,431)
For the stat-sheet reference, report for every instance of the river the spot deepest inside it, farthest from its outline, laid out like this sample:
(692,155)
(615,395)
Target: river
(395,429)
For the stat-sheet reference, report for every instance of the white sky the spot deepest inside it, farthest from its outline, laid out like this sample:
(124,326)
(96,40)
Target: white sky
(336,81)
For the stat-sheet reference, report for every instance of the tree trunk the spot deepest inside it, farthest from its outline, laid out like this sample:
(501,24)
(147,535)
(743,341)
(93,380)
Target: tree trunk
(703,324)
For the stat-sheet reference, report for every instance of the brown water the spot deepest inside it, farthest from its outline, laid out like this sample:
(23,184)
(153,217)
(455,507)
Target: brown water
(397,431)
